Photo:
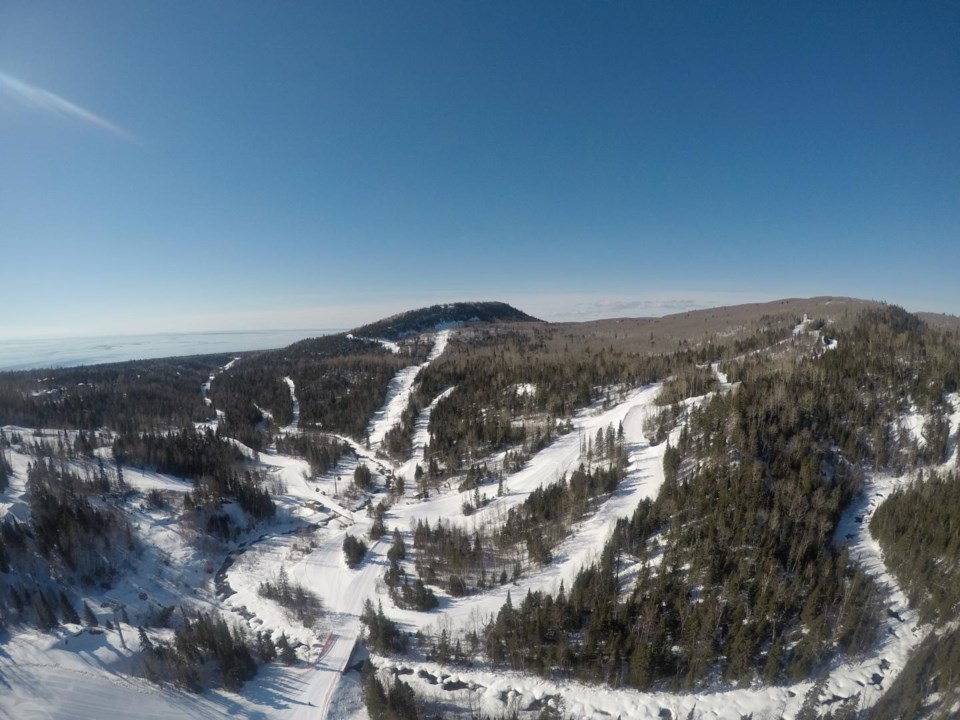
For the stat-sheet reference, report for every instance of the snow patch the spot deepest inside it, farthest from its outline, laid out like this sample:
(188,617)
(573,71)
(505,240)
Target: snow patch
(525,389)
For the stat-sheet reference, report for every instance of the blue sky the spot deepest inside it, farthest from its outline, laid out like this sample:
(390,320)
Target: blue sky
(181,165)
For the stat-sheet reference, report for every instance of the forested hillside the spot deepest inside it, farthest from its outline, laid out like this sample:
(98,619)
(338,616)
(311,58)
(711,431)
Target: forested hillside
(745,522)
(513,383)
(919,530)
(435,317)
(669,511)
(126,397)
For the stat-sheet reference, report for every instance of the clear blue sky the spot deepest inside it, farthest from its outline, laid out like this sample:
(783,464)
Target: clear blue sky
(185,165)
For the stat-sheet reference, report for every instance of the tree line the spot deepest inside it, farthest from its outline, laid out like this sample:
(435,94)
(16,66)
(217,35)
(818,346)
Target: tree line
(127,397)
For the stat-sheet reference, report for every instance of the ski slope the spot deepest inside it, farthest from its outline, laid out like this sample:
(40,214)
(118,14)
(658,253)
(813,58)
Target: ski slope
(498,691)
(343,591)
(557,459)
(294,425)
(421,438)
(398,393)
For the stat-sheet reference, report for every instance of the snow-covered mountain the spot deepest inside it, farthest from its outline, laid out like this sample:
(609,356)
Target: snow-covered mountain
(720,514)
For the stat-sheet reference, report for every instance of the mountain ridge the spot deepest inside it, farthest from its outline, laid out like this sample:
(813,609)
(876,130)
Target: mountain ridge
(411,322)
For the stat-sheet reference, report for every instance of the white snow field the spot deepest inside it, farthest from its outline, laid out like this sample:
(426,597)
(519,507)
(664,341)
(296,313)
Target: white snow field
(74,674)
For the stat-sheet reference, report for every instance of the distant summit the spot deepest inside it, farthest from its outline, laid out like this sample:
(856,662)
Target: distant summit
(437,317)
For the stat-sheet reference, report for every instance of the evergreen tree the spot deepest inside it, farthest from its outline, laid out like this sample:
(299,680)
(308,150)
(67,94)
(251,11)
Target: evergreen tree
(288,656)
(89,619)
(146,645)
(45,617)
(353,550)
(67,611)
(398,550)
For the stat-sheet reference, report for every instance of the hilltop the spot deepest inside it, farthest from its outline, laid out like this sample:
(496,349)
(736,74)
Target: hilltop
(437,317)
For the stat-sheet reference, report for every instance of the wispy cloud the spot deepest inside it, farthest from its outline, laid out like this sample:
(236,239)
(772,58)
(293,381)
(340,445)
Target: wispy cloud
(49,102)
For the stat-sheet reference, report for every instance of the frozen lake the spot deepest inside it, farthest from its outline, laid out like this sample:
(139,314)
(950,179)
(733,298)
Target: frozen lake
(24,354)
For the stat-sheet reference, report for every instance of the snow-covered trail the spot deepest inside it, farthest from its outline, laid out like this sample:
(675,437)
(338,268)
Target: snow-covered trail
(398,393)
(421,438)
(13,500)
(899,631)
(582,547)
(359,448)
(870,676)
(343,591)
(205,387)
(294,425)
(561,457)
(348,594)
(897,636)
(205,390)
(721,377)
(388,344)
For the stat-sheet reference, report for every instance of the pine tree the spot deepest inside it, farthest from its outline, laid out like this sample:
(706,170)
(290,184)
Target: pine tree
(398,550)
(374,696)
(44,615)
(146,645)
(119,465)
(104,482)
(266,647)
(288,656)
(67,611)
(283,584)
